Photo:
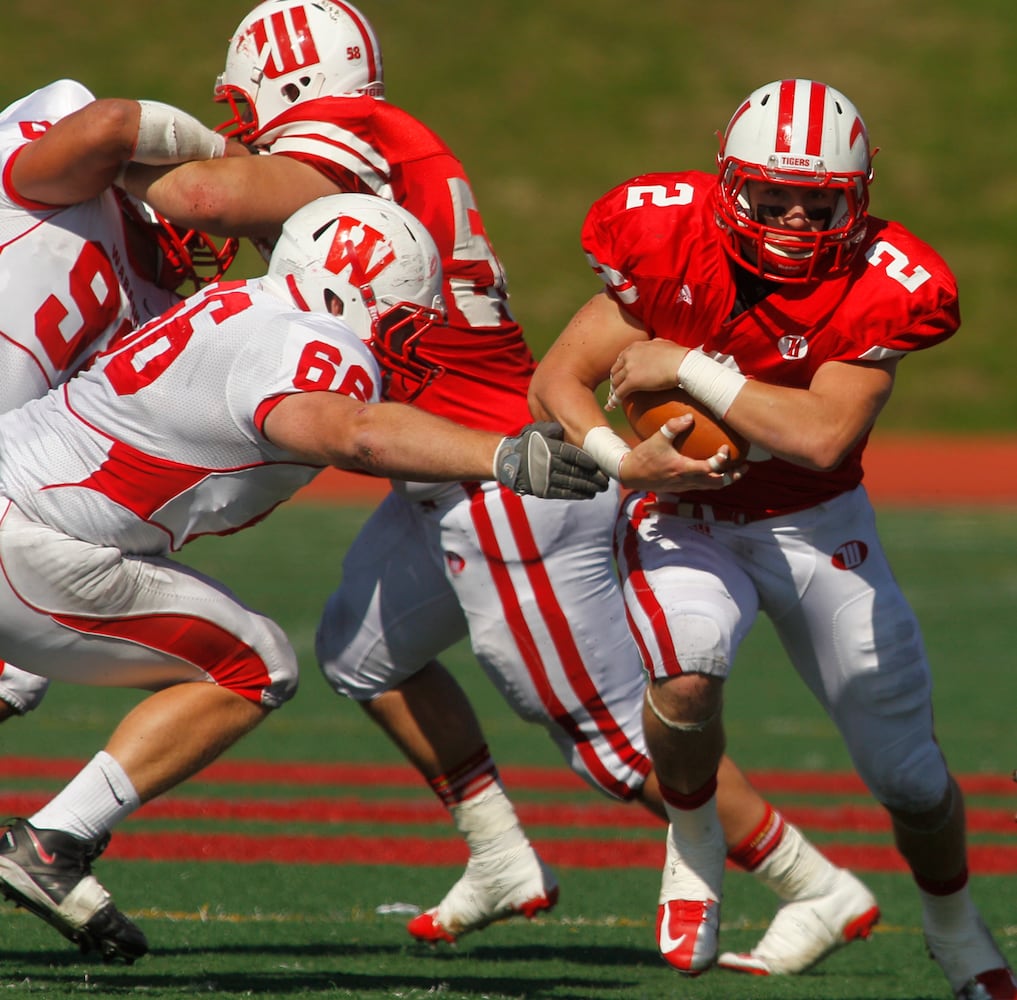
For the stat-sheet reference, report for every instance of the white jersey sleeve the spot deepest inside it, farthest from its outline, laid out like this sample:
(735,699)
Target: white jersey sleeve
(66,279)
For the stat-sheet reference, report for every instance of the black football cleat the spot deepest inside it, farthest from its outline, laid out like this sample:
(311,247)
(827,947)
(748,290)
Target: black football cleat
(49,872)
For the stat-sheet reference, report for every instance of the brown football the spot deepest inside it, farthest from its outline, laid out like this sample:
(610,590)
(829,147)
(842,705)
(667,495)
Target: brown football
(648,411)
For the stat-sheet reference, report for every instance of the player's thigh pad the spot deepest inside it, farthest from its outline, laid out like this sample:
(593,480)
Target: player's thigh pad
(537,582)
(394,609)
(690,604)
(87,613)
(856,642)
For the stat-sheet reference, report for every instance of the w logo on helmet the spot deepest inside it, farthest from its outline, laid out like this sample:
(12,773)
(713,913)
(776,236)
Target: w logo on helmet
(357,246)
(285,42)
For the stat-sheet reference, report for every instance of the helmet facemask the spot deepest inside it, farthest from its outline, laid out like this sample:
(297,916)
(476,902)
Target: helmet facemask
(183,255)
(780,253)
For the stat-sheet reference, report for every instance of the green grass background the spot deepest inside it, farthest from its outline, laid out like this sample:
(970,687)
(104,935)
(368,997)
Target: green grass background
(551,103)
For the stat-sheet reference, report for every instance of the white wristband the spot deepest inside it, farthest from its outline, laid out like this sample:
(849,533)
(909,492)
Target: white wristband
(606,449)
(169,135)
(714,385)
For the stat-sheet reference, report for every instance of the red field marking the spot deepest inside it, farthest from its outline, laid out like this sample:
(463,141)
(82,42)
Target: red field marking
(373,850)
(830,817)
(870,819)
(899,469)
(298,773)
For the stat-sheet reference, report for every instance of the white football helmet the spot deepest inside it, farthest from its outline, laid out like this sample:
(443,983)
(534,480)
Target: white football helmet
(372,263)
(289,51)
(796,133)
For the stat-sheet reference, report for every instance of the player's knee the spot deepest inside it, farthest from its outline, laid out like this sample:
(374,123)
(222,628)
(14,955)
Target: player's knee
(701,643)
(349,674)
(914,781)
(263,670)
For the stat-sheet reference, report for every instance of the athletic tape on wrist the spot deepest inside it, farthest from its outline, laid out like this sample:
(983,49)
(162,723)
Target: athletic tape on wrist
(606,449)
(714,385)
(169,135)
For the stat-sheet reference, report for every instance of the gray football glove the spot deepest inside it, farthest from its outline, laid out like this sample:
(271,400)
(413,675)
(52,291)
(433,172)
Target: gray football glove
(537,462)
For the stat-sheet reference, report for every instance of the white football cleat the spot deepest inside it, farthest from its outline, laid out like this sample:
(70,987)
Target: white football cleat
(513,883)
(688,917)
(973,965)
(805,931)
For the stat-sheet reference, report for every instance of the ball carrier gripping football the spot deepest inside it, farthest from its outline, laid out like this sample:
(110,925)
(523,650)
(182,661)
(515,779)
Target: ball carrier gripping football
(649,412)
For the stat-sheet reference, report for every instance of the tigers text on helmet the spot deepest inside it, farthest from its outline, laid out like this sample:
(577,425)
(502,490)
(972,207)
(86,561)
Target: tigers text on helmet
(286,52)
(795,133)
(371,262)
(183,254)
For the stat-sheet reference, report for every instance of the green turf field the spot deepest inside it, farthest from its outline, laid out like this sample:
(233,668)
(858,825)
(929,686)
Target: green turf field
(237,924)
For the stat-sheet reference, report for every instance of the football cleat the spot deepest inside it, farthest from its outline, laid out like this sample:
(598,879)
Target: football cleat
(687,934)
(513,883)
(688,917)
(804,931)
(49,872)
(972,963)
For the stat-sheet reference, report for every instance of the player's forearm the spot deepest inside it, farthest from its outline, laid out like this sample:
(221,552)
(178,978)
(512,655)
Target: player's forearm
(390,439)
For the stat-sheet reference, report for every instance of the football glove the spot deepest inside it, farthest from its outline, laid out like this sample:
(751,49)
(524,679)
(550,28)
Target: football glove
(537,462)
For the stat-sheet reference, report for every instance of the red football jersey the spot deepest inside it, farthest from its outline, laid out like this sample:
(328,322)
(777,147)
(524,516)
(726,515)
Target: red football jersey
(366,144)
(654,242)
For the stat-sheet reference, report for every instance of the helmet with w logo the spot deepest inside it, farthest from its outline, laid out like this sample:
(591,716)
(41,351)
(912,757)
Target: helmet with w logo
(372,263)
(289,51)
(802,134)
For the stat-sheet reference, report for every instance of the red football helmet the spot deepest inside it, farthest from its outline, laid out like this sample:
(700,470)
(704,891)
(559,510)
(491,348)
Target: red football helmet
(289,51)
(798,133)
(373,264)
(184,254)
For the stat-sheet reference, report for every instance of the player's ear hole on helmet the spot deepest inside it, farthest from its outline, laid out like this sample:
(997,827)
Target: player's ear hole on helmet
(291,91)
(333,304)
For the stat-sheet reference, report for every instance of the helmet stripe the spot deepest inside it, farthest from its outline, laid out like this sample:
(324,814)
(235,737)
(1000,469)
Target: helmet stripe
(366,34)
(817,109)
(785,116)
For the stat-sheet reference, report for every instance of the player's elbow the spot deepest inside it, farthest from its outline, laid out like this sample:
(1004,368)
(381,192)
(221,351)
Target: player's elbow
(113,126)
(824,452)
(536,403)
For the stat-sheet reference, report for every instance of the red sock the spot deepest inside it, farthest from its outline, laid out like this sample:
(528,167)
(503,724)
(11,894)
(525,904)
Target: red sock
(467,779)
(761,843)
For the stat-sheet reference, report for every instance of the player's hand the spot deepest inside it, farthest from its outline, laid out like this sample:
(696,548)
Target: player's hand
(654,464)
(645,366)
(537,462)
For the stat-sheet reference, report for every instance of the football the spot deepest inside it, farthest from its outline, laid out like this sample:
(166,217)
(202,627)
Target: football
(648,411)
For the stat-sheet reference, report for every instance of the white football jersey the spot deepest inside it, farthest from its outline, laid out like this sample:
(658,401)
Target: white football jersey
(66,282)
(160,440)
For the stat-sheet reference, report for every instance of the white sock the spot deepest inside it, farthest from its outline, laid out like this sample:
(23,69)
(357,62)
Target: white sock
(699,838)
(794,869)
(98,797)
(488,822)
